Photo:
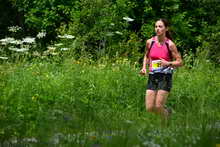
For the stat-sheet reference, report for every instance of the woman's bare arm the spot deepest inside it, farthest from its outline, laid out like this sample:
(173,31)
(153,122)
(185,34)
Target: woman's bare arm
(177,62)
(146,59)
(176,55)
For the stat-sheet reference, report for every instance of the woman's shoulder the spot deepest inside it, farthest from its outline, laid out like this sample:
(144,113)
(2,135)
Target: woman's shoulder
(171,44)
(150,39)
(149,42)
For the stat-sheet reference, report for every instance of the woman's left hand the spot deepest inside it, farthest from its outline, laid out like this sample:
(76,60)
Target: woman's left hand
(164,63)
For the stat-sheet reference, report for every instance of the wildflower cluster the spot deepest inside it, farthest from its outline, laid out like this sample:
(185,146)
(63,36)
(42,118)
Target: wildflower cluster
(128,19)
(57,47)
(13,45)
(14,29)
(41,35)
(24,45)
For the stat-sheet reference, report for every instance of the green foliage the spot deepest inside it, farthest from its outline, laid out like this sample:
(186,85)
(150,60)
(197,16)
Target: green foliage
(9,17)
(101,30)
(96,29)
(44,15)
(210,43)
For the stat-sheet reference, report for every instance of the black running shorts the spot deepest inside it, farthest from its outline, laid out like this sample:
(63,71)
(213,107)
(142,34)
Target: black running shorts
(159,81)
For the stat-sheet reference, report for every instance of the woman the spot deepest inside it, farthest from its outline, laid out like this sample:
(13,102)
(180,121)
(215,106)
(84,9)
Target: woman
(162,56)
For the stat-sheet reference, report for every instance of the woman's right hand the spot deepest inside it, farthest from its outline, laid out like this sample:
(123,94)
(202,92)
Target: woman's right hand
(143,71)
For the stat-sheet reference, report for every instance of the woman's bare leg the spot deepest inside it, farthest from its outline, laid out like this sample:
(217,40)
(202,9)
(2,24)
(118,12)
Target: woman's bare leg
(161,98)
(150,100)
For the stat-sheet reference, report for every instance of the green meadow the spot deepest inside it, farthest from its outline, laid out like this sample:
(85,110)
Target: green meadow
(98,104)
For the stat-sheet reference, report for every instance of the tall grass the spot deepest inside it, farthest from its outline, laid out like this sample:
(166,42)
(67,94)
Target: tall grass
(80,103)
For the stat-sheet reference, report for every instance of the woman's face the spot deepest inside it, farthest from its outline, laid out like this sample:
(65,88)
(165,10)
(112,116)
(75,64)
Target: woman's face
(160,28)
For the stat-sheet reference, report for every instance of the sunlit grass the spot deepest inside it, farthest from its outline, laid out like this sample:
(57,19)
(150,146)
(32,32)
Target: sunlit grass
(86,104)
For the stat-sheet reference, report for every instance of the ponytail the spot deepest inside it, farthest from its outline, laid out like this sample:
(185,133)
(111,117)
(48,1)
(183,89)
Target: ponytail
(166,24)
(168,35)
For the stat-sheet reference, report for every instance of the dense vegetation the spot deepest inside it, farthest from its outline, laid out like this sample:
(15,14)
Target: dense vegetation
(101,27)
(69,73)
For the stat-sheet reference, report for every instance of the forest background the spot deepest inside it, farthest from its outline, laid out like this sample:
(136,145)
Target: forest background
(102,27)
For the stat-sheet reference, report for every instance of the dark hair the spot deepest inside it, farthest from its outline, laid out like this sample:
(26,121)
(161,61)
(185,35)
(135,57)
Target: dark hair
(166,24)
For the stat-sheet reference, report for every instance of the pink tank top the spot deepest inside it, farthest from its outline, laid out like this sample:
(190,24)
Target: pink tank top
(158,51)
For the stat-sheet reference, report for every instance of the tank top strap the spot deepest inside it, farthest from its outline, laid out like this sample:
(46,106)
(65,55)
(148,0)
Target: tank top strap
(167,41)
(153,38)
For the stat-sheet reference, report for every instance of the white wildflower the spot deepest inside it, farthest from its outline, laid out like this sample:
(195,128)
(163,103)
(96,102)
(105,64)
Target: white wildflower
(7,40)
(119,33)
(58,44)
(64,49)
(41,35)
(60,36)
(150,143)
(128,122)
(128,19)
(36,53)
(17,42)
(109,34)
(45,53)
(28,40)
(112,24)
(14,140)
(66,36)
(217,125)
(4,58)
(14,29)
(51,48)
(34,140)
(54,54)
(18,49)
(56,138)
